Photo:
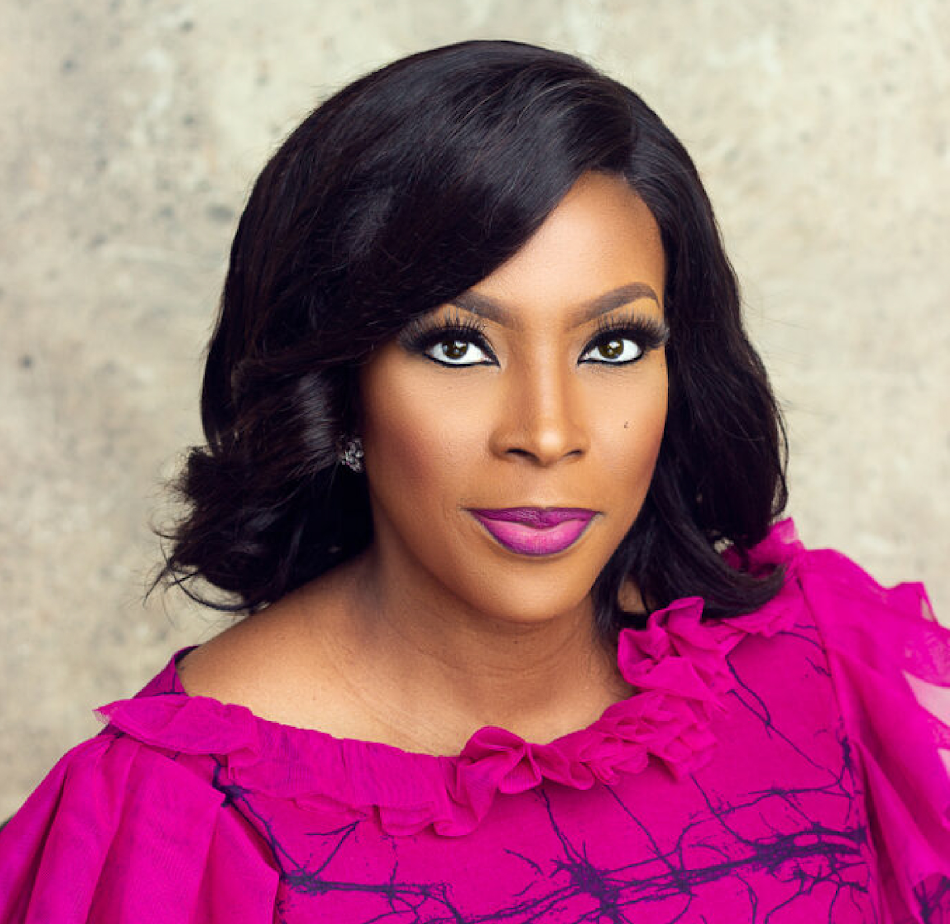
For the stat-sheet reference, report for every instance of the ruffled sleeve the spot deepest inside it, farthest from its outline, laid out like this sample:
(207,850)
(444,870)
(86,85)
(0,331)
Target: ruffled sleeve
(890,663)
(121,833)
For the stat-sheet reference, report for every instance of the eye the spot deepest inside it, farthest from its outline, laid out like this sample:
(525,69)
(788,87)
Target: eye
(456,351)
(613,348)
(448,341)
(625,339)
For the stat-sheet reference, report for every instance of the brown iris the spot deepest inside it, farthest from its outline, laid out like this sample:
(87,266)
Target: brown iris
(611,349)
(454,349)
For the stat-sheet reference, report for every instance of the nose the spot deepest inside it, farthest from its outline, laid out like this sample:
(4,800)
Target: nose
(542,419)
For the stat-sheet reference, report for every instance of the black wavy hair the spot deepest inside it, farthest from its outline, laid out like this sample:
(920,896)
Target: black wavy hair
(398,193)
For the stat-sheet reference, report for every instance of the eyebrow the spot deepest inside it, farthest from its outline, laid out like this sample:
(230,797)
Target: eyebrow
(492,310)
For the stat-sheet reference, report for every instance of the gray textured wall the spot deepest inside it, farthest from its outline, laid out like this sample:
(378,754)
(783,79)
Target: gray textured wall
(133,129)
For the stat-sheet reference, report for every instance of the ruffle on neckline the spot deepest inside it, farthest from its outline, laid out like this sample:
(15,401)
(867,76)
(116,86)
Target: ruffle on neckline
(677,665)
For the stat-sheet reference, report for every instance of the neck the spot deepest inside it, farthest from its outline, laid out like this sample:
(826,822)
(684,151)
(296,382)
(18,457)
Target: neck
(422,660)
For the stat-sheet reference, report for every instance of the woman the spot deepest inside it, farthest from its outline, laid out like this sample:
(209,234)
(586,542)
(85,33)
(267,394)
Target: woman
(494,467)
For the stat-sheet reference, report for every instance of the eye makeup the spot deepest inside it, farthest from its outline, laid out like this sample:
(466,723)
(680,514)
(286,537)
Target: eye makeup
(647,332)
(421,334)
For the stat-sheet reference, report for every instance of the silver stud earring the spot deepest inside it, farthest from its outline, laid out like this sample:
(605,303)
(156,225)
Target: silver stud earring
(351,455)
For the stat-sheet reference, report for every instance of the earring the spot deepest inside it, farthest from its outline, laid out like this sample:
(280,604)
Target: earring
(351,454)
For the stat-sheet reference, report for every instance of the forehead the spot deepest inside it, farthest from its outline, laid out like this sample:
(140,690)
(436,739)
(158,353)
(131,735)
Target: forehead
(599,239)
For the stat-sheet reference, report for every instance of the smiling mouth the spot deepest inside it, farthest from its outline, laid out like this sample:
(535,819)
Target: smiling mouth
(535,530)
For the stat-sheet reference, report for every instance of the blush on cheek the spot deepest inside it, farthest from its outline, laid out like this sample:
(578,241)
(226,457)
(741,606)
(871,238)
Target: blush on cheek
(410,440)
(653,424)
(640,465)
(397,451)
(635,439)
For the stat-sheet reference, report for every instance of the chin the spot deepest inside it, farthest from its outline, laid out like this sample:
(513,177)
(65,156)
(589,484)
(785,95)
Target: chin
(533,602)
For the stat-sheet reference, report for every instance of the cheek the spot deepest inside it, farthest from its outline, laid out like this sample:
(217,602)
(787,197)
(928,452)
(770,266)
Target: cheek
(415,434)
(632,431)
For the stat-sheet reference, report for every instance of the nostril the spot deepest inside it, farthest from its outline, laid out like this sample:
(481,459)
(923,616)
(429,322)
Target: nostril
(538,456)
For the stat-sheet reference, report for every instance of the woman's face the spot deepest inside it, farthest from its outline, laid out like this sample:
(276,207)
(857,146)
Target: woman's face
(511,436)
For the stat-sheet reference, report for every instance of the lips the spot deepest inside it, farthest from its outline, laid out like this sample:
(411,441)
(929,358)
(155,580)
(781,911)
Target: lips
(535,530)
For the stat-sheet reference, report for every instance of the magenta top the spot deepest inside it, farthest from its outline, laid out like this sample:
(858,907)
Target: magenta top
(790,765)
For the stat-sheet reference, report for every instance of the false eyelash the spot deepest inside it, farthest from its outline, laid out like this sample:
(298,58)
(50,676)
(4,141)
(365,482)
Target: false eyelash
(422,333)
(648,333)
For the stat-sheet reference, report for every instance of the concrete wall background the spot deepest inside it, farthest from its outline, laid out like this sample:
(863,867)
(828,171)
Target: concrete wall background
(133,129)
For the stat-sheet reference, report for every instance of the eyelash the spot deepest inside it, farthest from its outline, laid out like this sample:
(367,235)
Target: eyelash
(648,334)
(420,335)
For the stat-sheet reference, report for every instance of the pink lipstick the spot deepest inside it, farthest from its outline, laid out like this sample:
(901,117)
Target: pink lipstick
(535,530)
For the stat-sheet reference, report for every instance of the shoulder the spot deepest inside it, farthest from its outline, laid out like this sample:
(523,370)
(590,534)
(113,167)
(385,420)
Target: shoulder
(243,661)
(834,586)
(282,663)
(850,604)
(862,624)
(889,661)
(84,845)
